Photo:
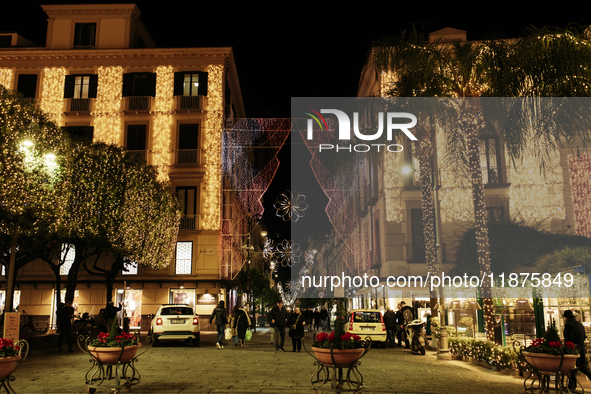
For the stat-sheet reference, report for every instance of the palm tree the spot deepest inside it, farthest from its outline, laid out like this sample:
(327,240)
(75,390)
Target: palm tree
(490,68)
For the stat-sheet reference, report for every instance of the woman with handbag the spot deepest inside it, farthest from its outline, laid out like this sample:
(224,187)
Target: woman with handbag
(241,324)
(296,329)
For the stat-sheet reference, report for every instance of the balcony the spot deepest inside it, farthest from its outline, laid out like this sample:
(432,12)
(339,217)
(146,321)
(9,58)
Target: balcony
(77,107)
(191,103)
(138,104)
(188,157)
(190,223)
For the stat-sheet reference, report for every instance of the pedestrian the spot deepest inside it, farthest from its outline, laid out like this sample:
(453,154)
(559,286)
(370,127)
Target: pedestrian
(308,315)
(241,323)
(279,316)
(296,323)
(316,316)
(111,311)
(221,322)
(390,323)
(64,325)
(101,321)
(324,318)
(233,330)
(400,323)
(575,332)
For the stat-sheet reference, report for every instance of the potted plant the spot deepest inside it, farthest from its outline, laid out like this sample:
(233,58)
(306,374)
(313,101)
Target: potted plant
(114,347)
(339,348)
(548,353)
(9,357)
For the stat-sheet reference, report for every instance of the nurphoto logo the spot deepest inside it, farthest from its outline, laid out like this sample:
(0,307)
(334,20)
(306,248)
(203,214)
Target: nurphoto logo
(344,122)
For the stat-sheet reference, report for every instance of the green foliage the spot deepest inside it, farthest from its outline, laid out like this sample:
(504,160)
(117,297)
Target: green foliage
(552,333)
(513,245)
(260,288)
(500,356)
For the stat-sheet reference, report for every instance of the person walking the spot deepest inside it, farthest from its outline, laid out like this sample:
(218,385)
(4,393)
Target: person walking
(308,315)
(296,329)
(324,318)
(279,316)
(575,332)
(390,323)
(64,325)
(221,322)
(241,323)
(400,323)
(232,324)
(316,316)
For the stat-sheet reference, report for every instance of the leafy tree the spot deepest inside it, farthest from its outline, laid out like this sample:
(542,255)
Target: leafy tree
(31,160)
(257,286)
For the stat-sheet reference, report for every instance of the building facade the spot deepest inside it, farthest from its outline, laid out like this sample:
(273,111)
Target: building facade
(101,78)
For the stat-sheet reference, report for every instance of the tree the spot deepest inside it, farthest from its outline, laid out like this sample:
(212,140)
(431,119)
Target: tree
(543,63)
(116,206)
(31,160)
(258,288)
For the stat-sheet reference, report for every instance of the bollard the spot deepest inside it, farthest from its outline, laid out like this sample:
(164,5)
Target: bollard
(443,352)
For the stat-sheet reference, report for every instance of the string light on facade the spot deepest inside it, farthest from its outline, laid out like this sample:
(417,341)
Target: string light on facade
(579,170)
(163,107)
(52,93)
(6,76)
(108,126)
(213,143)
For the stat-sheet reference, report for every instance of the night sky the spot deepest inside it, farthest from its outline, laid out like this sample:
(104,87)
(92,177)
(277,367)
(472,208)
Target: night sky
(306,50)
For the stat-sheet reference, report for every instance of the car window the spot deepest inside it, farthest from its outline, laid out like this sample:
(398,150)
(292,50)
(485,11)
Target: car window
(175,310)
(367,317)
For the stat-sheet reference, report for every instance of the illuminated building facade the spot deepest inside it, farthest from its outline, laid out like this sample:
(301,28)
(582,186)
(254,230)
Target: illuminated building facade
(101,77)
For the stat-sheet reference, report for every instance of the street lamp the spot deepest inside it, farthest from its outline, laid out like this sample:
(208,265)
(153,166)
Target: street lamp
(473,306)
(455,306)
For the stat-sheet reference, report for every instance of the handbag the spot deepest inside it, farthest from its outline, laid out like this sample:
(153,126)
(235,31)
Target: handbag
(248,335)
(293,327)
(228,333)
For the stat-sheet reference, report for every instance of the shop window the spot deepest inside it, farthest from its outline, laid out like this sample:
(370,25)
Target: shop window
(16,299)
(131,299)
(182,296)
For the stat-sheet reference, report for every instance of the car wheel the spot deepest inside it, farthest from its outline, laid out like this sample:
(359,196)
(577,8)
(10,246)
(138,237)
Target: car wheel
(197,340)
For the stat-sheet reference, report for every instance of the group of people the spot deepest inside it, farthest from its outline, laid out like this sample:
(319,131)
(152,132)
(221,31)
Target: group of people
(394,322)
(238,323)
(315,319)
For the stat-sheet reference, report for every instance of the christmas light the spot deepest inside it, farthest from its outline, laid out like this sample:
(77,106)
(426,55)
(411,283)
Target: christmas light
(52,93)
(163,107)
(108,126)
(6,75)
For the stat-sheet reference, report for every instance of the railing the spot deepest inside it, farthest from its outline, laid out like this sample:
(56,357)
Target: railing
(491,176)
(191,102)
(188,156)
(80,105)
(90,46)
(189,222)
(138,103)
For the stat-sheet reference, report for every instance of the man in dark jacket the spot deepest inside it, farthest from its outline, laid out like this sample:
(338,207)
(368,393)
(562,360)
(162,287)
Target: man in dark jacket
(400,324)
(324,318)
(221,322)
(64,325)
(279,316)
(309,317)
(575,332)
(390,323)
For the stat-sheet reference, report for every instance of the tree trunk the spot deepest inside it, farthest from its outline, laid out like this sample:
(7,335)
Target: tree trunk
(471,118)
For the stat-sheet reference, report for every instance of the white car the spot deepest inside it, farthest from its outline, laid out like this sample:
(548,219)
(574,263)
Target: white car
(368,323)
(175,323)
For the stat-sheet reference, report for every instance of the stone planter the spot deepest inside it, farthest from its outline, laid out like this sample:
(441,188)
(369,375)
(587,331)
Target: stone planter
(342,357)
(110,355)
(8,365)
(549,363)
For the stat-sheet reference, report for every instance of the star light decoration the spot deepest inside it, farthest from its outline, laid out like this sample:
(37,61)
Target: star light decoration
(291,205)
(288,253)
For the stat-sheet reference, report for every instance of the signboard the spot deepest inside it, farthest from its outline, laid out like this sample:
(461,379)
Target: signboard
(12,325)
(321,294)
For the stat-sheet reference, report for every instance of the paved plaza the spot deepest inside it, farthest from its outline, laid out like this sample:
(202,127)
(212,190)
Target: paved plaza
(180,368)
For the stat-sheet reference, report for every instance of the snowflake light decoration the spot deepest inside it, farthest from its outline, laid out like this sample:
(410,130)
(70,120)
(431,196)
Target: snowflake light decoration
(288,253)
(291,205)
(309,257)
(289,291)
(269,249)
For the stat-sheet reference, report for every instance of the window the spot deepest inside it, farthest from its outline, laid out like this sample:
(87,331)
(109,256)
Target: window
(84,35)
(27,85)
(182,296)
(136,140)
(184,256)
(139,84)
(190,83)
(187,198)
(67,255)
(187,152)
(80,134)
(490,160)
(495,215)
(130,268)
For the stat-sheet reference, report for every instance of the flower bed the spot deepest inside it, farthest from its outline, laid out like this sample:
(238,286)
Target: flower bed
(489,352)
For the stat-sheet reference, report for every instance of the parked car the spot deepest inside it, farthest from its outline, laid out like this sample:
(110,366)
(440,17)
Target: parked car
(175,323)
(368,323)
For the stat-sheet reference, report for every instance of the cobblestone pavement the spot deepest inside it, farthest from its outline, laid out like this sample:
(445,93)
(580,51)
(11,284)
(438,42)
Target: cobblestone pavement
(181,368)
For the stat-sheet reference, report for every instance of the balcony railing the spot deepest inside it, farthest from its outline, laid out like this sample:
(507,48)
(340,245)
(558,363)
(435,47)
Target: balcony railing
(188,156)
(88,46)
(142,155)
(138,103)
(80,105)
(491,175)
(191,102)
(189,222)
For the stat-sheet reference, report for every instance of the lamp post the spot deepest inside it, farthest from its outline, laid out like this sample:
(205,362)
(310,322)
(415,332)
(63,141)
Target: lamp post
(455,306)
